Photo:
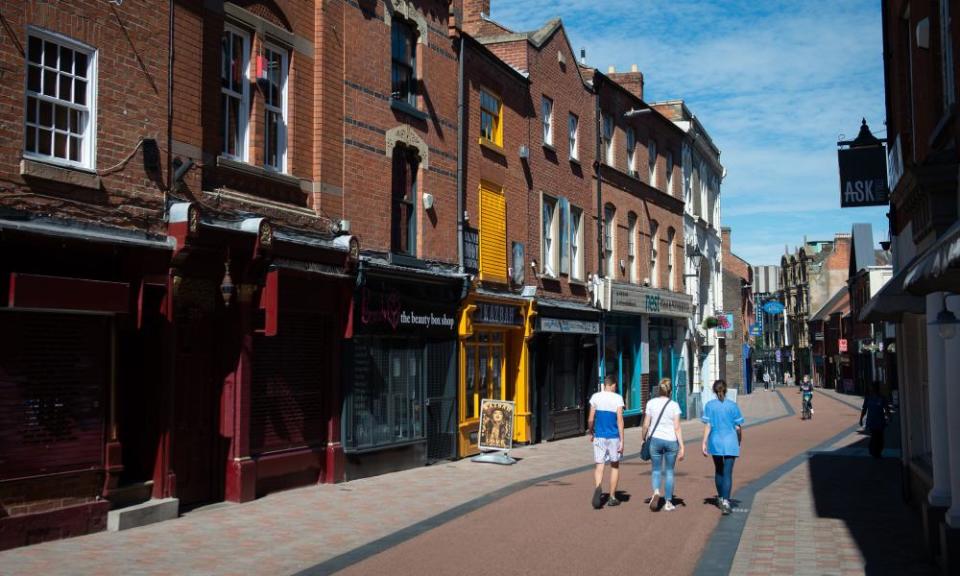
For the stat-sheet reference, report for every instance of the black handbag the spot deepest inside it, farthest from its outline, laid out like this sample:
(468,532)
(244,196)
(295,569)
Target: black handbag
(645,447)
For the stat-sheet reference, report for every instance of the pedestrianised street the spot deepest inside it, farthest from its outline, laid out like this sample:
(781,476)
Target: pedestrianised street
(803,504)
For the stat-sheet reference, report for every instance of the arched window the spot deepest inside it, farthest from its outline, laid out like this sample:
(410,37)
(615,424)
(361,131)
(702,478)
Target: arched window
(632,245)
(654,248)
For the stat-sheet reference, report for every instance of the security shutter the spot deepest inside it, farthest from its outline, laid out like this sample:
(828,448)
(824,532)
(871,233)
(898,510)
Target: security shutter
(290,372)
(493,234)
(53,379)
(441,400)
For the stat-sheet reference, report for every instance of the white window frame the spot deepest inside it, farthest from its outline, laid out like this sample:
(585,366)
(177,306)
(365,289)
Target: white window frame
(546,113)
(632,247)
(671,254)
(573,127)
(576,243)
(610,239)
(608,131)
(282,145)
(244,97)
(669,172)
(87,113)
(652,159)
(550,236)
(654,254)
(631,151)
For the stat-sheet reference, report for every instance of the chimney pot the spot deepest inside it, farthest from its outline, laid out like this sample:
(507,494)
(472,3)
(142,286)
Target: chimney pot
(611,69)
(633,68)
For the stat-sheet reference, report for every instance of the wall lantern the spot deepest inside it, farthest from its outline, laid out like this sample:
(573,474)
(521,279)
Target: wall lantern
(227,287)
(946,322)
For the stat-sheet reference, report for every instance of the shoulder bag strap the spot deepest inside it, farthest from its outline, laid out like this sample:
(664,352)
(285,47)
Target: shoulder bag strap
(662,410)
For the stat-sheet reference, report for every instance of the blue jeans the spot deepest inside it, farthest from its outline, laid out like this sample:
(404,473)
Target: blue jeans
(663,455)
(723,475)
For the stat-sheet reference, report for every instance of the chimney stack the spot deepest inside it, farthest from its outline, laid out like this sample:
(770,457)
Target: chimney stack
(632,80)
(473,13)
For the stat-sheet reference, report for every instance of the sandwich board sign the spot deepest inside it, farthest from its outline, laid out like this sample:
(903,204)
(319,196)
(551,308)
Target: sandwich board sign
(495,437)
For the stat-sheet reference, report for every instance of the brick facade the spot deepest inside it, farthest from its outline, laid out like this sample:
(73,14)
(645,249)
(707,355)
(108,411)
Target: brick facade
(738,298)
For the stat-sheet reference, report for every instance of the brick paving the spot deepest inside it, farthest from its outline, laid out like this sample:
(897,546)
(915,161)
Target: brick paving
(297,529)
(838,513)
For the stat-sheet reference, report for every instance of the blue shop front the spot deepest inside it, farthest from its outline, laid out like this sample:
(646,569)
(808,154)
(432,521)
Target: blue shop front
(642,342)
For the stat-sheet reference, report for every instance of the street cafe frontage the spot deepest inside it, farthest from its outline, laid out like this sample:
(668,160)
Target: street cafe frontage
(493,330)
(643,340)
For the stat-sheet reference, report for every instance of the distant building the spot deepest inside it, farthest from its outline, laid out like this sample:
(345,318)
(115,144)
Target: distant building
(738,295)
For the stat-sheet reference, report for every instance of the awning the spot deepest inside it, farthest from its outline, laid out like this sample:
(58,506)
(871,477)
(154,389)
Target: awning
(891,301)
(937,270)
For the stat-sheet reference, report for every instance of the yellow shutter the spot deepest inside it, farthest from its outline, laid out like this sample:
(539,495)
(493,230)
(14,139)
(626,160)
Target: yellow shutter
(493,233)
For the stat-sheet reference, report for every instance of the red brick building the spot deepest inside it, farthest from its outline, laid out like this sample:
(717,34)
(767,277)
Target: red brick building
(738,298)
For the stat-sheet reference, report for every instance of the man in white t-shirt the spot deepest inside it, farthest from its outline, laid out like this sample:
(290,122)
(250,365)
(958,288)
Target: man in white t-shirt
(605,429)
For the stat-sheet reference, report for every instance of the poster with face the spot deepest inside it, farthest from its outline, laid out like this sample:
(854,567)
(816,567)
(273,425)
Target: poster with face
(496,425)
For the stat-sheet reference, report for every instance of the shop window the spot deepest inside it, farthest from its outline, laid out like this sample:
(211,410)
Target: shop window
(60,123)
(483,366)
(234,92)
(609,240)
(404,62)
(576,243)
(493,233)
(573,127)
(632,246)
(551,237)
(403,220)
(631,152)
(385,405)
(491,125)
(275,108)
(546,118)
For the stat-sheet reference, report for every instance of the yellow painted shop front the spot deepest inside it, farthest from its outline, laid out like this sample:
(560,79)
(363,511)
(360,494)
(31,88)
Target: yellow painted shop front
(493,363)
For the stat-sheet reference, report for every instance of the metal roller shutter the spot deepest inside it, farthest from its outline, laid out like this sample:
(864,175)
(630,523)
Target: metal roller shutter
(53,379)
(290,371)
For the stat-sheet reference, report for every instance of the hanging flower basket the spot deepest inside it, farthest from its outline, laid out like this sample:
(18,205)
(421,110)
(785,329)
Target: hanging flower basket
(710,322)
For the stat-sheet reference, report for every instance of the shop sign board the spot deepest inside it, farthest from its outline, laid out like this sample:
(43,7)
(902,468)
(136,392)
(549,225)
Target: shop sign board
(496,425)
(567,326)
(755,330)
(863,177)
(843,344)
(471,249)
(503,314)
(387,307)
(725,322)
(643,300)
(773,307)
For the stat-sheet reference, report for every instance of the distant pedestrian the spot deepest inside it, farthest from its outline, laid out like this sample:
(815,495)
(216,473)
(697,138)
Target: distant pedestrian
(788,379)
(766,381)
(605,429)
(875,409)
(666,443)
(722,436)
(806,392)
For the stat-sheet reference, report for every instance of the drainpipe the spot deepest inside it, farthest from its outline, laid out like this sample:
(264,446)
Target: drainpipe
(598,124)
(460,133)
(169,107)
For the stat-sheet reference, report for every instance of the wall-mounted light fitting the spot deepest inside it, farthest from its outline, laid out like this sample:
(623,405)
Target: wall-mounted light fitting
(427,201)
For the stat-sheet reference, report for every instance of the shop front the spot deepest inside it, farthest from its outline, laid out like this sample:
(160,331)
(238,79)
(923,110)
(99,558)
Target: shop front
(643,343)
(563,364)
(493,331)
(400,403)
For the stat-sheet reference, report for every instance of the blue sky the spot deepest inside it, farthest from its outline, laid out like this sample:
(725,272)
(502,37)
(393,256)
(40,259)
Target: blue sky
(775,83)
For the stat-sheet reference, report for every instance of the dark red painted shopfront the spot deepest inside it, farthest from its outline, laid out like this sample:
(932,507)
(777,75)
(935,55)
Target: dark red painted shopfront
(258,315)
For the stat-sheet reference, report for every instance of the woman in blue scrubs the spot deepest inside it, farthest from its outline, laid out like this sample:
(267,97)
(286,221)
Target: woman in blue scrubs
(721,439)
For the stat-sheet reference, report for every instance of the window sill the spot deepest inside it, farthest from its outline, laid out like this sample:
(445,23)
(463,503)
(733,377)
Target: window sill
(576,282)
(73,176)
(549,146)
(575,160)
(251,170)
(491,145)
(401,106)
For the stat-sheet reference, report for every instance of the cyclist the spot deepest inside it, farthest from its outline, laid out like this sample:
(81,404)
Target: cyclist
(806,392)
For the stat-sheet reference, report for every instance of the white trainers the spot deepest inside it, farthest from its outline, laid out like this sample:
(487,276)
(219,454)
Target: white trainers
(669,506)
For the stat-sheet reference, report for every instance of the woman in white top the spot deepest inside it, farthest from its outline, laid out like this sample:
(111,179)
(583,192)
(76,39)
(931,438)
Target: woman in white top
(666,443)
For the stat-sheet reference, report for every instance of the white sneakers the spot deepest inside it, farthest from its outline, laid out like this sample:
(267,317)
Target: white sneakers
(668,507)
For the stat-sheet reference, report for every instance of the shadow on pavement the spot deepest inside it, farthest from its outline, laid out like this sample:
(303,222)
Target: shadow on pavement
(864,493)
